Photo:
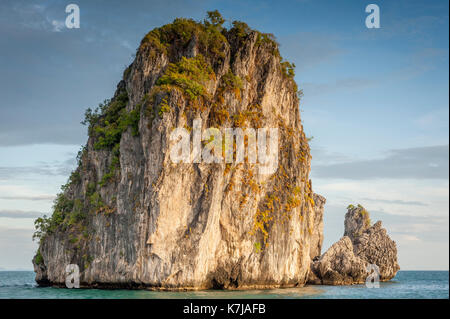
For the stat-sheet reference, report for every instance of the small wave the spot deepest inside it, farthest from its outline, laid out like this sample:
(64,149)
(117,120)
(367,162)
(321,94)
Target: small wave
(21,285)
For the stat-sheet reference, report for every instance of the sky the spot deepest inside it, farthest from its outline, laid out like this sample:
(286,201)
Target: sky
(376,103)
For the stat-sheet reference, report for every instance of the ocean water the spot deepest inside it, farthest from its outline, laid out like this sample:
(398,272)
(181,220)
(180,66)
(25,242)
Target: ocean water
(407,284)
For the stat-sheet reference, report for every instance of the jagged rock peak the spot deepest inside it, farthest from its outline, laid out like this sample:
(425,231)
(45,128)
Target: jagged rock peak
(346,261)
(357,221)
(131,217)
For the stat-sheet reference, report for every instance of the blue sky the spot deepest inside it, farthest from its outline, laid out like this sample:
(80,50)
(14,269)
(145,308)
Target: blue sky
(375,100)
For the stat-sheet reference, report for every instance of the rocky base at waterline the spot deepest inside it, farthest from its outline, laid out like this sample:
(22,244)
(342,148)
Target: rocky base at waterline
(346,262)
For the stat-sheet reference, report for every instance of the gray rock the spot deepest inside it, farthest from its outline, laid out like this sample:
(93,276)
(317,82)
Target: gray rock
(159,225)
(376,247)
(339,265)
(317,236)
(346,261)
(357,221)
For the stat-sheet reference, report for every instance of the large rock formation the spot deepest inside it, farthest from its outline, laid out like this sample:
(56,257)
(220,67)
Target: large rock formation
(131,217)
(346,262)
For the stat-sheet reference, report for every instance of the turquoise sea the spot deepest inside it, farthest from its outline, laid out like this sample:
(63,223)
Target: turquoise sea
(407,284)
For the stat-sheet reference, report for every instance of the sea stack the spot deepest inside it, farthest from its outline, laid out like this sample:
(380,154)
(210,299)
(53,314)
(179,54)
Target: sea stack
(346,262)
(130,217)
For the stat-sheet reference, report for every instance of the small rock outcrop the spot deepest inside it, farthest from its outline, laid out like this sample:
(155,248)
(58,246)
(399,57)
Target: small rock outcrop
(346,262)
(339,265)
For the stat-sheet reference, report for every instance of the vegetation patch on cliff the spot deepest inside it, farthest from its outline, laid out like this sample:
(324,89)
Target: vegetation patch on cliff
(110,120)
(106,125)
(190,75)
(181,31)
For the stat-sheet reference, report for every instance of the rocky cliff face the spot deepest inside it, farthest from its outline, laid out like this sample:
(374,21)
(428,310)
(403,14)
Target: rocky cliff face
(131,217)
(317,235)
(346,261)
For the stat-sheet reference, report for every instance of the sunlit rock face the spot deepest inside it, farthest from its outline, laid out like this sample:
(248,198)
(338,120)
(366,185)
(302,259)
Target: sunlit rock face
(130,217)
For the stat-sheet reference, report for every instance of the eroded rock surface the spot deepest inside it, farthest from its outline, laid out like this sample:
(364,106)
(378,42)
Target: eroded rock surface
(129,217)
(346,261)
(317,235)
(339,265)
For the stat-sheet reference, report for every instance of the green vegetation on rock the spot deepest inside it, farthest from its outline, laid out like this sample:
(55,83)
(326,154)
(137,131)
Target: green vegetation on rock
(181,31)
(232,81)
(38,258)
(190,75)
(288,69)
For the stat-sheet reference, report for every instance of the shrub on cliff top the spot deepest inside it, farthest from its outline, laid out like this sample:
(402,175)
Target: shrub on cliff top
(182,30)
(214,19)
(211,36)
(240,29)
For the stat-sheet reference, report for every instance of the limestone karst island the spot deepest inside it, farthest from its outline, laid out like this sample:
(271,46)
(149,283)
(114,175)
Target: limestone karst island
(130,217)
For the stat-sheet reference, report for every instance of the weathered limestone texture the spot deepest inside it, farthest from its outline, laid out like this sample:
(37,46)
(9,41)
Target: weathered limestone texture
(129,217)
(346,261)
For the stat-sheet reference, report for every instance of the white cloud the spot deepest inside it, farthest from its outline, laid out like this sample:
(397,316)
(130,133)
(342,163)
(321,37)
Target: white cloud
(307,49)
(19,214)
(58,26)
(30,197)
(397,197)
(314,89)
(409,163)
(396,201)
(407,238)
(437,118)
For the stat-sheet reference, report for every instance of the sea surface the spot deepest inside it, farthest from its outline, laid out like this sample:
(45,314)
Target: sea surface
(407,284)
